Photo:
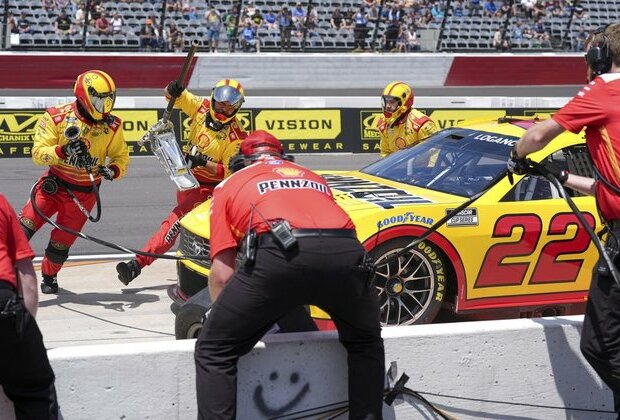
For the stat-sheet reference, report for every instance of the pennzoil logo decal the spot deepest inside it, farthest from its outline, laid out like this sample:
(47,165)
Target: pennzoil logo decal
(18,126)
(380,195)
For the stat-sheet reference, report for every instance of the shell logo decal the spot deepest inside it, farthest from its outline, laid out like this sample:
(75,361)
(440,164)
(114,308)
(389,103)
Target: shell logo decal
(289,172)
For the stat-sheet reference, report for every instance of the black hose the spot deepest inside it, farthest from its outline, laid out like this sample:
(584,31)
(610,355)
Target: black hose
(106,243)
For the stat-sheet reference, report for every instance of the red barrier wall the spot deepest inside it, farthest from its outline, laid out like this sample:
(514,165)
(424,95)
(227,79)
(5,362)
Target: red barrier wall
(59,71)
(516,71)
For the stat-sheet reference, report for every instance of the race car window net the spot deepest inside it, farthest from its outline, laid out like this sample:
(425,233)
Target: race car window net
(455,161)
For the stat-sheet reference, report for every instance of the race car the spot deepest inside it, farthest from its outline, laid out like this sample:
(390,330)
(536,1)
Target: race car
(516,251)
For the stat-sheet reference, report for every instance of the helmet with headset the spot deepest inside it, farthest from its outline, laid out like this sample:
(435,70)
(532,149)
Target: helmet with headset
(95,92)
(397,100)
(255,146)
(598,55)
(226,99)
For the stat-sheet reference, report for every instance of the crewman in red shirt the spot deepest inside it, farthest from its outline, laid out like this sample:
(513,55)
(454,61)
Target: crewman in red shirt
(66,187)
(214,137)
(597,108)
(294,246)
(25,371)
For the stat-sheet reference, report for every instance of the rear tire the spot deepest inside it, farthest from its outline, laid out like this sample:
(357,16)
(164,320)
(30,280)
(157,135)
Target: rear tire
(188,322)
(411,288)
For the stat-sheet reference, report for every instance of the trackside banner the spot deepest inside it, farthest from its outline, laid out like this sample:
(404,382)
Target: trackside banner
(348,130)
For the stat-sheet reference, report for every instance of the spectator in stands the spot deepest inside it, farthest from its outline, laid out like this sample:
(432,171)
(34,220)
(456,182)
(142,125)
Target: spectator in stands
(249,40)
(413,39)
(298,13)
(257,20)
(23,24)
(390,35)
(373,14)
(63,5)
(285,24)
(148,36)
(580,14)
(102,25)
(437,12)
(96,8)
(427,19)
(63,25)
(500,41)
(270,19)
(527,6)
(396,12)
(557,10)
(475,7)
(11,23)
(174,6)
(457,8)
(250,8)
(337,19)
(539,10)
(541,34)
(214,26)
(360,31)
(579,40)
(117,24)
(175,38)
(309,25)
(490,8)
(369,3)
(517,32)
(230,23)
(503,11)
(80,14)
(49,6)
(401,40)
(191,14)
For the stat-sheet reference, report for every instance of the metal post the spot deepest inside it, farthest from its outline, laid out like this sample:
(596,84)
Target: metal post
(86,20)
(162,27)
(376,31)
(5,26)
(235,31)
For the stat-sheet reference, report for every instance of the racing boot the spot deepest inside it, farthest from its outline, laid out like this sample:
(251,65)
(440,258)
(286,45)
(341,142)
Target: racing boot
(49,285)
(127,271)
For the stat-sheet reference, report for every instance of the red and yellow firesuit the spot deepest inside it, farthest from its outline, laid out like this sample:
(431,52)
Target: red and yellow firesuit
(105,140)
(411,128)
(218,147)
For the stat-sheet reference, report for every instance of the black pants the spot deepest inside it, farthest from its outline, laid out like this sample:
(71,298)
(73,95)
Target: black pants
(321,272)
(600,337)
(359,36)
(25,371)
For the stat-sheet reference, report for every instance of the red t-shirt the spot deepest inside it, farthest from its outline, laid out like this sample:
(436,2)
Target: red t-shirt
(597,107)
(269,190)
(13,243)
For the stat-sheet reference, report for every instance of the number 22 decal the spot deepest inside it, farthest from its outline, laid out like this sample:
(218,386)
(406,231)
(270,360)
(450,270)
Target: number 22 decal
(494,272)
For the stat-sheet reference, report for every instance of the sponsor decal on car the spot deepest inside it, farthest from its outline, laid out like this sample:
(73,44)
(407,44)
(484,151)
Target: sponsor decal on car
(466,217)
(408,217)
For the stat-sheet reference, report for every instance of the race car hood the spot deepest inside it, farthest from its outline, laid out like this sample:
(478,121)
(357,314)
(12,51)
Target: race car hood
(355,192)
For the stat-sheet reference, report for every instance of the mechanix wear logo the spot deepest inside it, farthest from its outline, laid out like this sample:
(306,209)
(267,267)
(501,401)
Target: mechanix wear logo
(369,130)
(18,126)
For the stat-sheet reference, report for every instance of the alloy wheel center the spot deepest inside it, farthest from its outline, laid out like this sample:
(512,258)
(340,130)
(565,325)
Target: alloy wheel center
(395,286)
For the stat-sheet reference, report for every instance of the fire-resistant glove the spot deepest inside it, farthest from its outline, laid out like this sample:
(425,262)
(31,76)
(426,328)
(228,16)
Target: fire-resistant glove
(197,160)
(175,89)
(75,148)
(106,172)
(517,165)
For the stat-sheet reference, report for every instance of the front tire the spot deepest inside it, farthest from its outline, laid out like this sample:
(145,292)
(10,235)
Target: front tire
(411,288)
(188,322)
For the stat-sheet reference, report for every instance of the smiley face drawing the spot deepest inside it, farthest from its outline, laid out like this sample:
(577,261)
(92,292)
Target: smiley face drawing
(261,404)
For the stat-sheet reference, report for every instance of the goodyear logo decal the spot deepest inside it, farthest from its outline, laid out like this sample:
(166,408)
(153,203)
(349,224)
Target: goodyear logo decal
(380,195)
(300,124)
(368,121)
(18,126)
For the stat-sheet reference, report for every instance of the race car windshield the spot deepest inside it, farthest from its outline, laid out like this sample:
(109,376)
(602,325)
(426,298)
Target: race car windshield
(455,161)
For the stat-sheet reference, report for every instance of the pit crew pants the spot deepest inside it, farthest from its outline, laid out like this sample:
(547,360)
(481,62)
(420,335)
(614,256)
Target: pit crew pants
(25,371)
(166,236)
(600,336)
(322,272)
(69,215)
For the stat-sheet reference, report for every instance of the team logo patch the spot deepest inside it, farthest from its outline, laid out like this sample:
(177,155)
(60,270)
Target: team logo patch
(58,245)
(289,172)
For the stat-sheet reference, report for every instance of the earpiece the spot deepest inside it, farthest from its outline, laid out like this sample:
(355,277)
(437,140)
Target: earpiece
(598,56)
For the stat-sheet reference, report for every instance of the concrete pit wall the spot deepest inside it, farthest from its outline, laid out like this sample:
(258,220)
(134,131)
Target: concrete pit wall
(526,368)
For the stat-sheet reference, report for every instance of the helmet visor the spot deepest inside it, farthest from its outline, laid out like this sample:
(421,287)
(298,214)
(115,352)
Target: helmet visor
(390,103)
(102,102)
(230,100)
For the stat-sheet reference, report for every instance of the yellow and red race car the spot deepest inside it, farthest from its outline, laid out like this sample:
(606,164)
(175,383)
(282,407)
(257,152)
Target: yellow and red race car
(518,250)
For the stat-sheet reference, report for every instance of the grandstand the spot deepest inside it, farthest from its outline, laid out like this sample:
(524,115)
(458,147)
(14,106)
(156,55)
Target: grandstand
(438,25)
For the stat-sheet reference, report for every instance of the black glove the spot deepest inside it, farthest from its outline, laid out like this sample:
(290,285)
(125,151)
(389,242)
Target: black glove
(517,165)
(548,169)
(75,148)
(196,160)
(106,172)
(175,88)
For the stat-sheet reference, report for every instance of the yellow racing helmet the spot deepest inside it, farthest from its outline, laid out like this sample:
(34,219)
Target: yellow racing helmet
(226,99)
(397,99)
(96,92)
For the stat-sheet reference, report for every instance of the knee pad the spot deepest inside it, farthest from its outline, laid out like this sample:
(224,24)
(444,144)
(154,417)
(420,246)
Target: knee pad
(57,252)
(27,228)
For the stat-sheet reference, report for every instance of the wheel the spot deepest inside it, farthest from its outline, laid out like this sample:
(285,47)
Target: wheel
(411,287)
(188,322)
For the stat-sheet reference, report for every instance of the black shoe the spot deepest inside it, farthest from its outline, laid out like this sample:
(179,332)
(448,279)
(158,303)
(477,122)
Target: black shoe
(49,285)
(127,271)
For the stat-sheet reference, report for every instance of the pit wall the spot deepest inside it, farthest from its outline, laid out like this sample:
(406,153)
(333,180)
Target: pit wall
(304,125)
(295,71)
(526,368)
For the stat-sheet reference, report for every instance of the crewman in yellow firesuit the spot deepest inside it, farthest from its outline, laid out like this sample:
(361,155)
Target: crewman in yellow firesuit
(72,139)
(401,124)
